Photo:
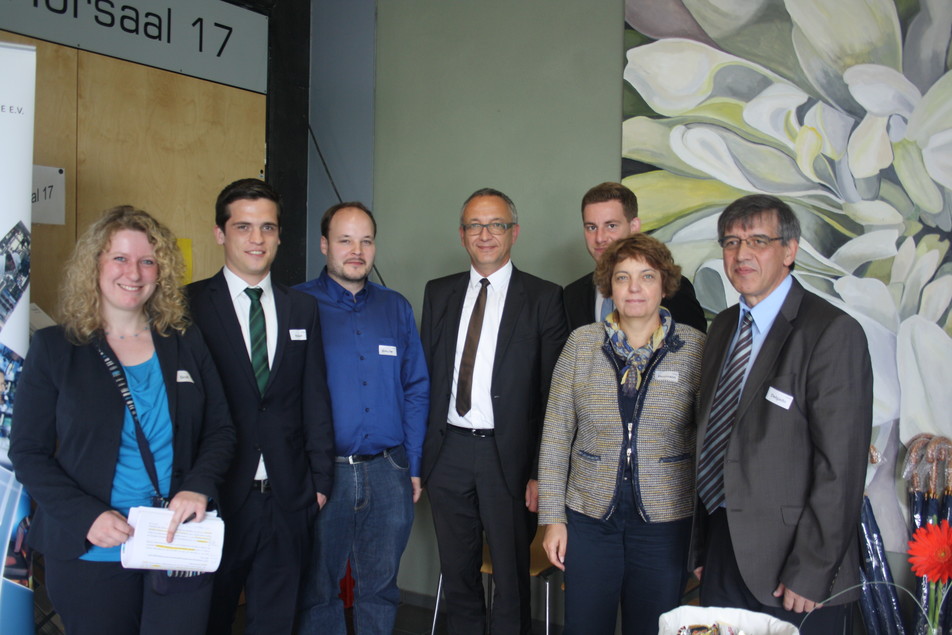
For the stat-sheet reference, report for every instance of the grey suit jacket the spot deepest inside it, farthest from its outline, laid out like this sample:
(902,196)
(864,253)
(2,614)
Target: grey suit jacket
(794,473)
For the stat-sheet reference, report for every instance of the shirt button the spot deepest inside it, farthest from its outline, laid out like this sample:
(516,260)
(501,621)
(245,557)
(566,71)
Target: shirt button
(358,332)
(361,358)
(365,383)
(366,409)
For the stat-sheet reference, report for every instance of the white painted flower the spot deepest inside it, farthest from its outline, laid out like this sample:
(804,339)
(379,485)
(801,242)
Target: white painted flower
(847,123)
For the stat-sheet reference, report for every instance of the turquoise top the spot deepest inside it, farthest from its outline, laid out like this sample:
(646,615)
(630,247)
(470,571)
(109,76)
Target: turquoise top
(131,486)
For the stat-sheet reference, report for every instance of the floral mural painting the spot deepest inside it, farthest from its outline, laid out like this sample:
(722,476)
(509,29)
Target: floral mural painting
(844,110)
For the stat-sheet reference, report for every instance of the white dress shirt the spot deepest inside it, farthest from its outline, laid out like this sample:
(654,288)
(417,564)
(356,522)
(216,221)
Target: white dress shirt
(481,414)
(242,302)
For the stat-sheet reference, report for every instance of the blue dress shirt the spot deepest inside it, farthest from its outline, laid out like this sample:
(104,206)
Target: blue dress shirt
(376,372)
(763,315)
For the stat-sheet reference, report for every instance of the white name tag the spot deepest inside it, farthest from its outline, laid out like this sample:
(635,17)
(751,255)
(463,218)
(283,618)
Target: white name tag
(781,399)
(182,376)
(390,351)
(668,375)
(298,334)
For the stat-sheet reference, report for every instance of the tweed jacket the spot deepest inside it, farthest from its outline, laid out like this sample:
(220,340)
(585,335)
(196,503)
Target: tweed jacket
(583,439)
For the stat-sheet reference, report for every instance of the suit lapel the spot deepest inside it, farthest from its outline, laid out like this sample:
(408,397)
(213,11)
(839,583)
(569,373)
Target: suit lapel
(719,342)
(453,312)
(282,306)
(776,339)
(168,352)
(515,300)
(230,327)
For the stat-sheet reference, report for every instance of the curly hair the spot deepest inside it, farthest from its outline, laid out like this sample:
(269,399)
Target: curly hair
(641,247)
(80,297)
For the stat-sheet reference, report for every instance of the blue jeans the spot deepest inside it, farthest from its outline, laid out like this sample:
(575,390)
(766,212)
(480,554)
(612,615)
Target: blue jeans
(642,565)
(367,519)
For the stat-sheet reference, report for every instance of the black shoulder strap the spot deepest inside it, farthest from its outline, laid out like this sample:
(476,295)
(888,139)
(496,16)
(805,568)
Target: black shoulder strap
(144,449)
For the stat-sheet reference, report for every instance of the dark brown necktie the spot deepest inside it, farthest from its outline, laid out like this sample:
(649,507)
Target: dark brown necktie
(464,387)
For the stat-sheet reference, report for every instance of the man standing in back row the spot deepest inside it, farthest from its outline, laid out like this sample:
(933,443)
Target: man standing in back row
(266,342)
(379,394)
(610,213)
(784,418)
(491,336)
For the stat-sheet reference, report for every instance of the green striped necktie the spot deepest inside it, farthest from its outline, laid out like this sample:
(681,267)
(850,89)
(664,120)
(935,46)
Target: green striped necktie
(259,338)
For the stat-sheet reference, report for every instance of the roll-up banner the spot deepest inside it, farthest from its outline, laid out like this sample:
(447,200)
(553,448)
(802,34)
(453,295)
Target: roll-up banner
(17,90)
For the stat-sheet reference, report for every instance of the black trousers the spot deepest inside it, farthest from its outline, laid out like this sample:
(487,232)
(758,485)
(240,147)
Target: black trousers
(469,496)
(722,585)
(95,598)
(265,551)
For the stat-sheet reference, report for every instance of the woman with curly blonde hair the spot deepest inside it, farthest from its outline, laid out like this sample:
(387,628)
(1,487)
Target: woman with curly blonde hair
(120,406)
(80,300)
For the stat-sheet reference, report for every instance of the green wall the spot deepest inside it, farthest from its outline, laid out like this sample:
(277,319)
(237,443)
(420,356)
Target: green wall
(521,95)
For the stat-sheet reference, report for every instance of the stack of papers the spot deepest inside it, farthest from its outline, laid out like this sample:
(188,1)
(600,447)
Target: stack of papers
(196,546)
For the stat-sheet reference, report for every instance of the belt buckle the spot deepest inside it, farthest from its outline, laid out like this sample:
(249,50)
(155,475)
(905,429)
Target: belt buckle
(353,460)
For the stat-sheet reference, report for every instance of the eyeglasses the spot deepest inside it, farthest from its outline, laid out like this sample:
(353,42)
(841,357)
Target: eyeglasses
(756,243)
(495,228)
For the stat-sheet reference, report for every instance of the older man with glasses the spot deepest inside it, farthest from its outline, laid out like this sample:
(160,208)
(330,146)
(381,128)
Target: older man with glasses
(785,413)
(491,337)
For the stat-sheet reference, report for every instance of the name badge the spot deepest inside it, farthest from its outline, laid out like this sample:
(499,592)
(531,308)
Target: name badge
(389,351)
(182,376)
(298,334)
(781,399)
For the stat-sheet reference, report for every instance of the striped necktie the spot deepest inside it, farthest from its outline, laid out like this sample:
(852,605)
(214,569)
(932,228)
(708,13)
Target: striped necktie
(259,338)
(710,473)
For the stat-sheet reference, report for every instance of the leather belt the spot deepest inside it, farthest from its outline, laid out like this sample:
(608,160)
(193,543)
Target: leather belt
(481,433)
(363,458)
(263,485)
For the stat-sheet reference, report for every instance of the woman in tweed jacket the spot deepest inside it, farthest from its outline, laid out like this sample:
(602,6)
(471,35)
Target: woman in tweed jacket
(616,473)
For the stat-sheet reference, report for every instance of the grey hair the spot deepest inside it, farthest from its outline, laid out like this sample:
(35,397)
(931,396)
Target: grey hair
(488,191)
(747,209)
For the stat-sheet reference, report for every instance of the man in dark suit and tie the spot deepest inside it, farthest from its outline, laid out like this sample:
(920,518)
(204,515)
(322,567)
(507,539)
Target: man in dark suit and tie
(609,213)
(491,337)
(785,414)
(266,341)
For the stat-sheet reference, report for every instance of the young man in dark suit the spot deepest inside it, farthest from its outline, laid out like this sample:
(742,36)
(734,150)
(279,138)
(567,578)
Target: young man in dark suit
(784,419)
(609,213)
(491,337)
(266,341)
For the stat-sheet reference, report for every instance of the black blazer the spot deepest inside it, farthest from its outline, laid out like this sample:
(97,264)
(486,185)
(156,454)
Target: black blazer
(531,334)
(580,304)
(291,424)
(68,418)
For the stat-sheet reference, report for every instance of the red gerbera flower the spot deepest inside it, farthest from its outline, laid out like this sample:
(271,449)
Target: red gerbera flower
(930,552)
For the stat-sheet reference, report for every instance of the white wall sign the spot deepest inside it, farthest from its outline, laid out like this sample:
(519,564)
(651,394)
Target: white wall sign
(49,195)
(209,39)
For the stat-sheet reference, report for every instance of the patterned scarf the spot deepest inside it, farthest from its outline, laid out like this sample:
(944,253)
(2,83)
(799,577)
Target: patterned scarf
(635,360)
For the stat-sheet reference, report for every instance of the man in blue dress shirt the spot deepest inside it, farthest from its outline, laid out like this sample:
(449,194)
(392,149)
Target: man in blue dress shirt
(380,397)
